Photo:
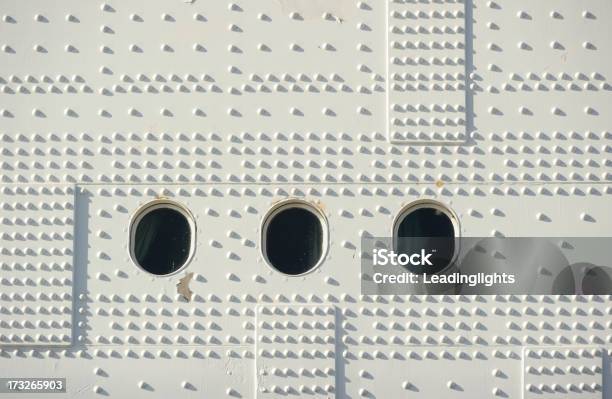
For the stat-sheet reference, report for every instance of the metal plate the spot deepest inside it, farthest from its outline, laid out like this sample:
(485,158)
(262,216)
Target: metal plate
(228,107)
(36,260)
(296,351)
(566,371)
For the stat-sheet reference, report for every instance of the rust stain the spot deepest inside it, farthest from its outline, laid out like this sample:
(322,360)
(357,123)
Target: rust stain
(439,183)
(320,205)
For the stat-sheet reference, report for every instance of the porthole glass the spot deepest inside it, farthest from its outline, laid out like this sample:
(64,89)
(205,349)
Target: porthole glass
(294,238)
(427,227)
(162,238)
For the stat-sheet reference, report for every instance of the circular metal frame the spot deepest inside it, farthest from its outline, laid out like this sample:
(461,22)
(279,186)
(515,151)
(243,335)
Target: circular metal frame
(289,204)
(162,204)
(431,204)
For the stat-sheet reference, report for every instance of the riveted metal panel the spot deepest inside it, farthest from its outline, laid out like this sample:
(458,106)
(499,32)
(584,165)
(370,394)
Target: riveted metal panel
(565,371)
(36,264)
(228,107)
(296,350)
(128,372)
(427,72)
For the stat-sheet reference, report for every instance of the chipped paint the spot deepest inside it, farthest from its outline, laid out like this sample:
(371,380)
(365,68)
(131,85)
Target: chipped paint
(182,288)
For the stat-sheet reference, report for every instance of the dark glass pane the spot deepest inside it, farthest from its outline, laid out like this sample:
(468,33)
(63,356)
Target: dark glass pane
(294,241)
(596,280)
(429,229)
(162,241)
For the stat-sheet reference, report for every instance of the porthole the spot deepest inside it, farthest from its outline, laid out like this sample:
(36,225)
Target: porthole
(162,237)
(294,238)
(430,227)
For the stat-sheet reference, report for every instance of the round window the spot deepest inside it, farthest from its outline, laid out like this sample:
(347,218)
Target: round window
(162,238)
(427,229)
(294,238)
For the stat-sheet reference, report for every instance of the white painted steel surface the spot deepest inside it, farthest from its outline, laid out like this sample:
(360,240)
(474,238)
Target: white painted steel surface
(498,109)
